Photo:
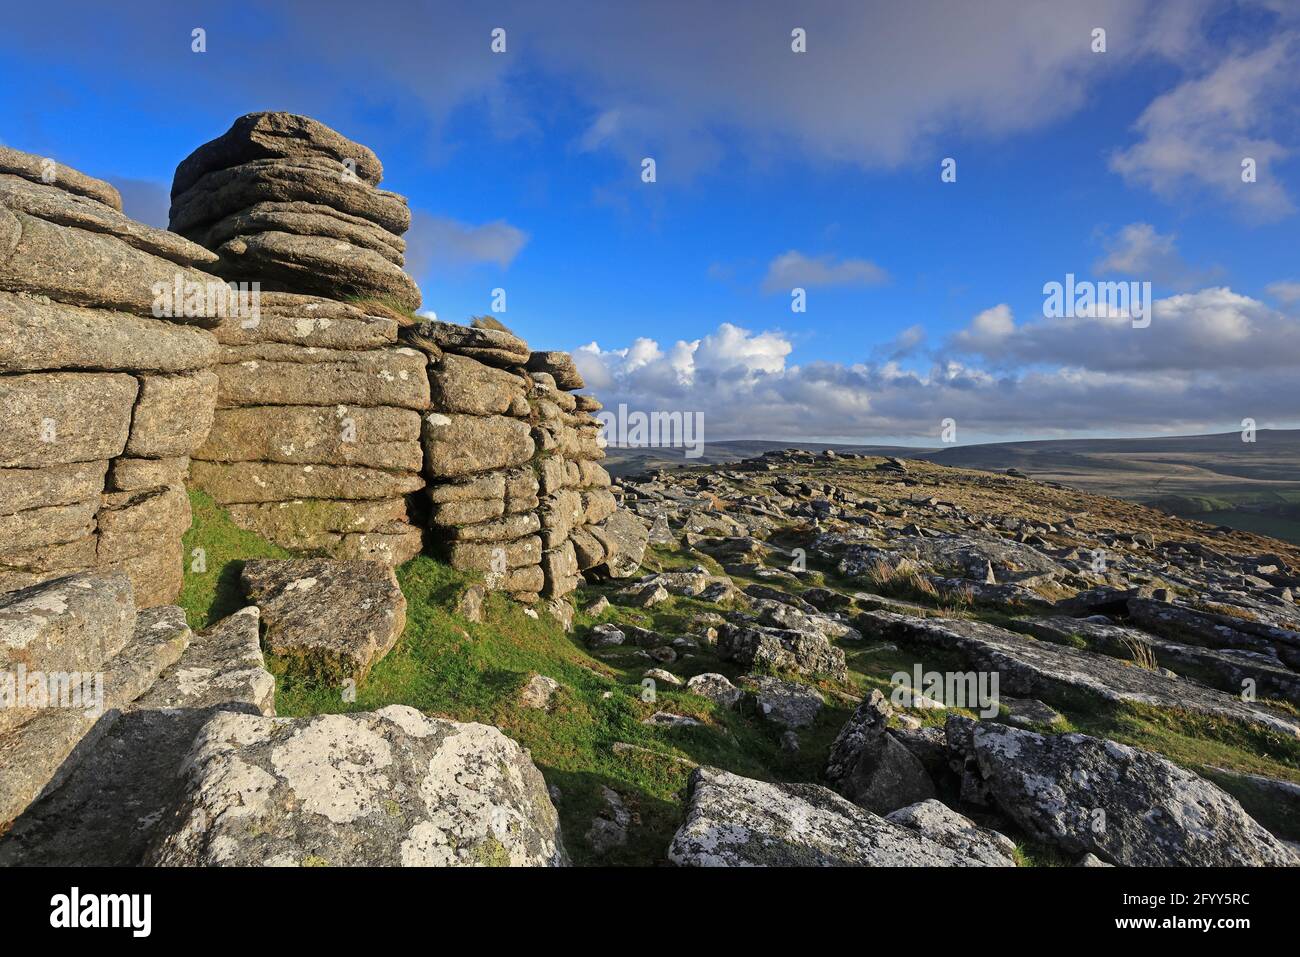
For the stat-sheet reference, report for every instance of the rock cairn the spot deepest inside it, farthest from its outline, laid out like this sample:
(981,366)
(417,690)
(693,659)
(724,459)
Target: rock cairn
(316,438)
(516,490)
(104,380)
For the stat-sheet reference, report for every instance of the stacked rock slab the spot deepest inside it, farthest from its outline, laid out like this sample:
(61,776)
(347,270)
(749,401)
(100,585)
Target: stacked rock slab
(479,454)
(316,439)
(104,381)
(512,458)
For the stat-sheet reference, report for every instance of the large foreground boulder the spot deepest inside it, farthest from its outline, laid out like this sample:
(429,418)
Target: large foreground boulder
(384,788)
(739,822)
(1087,795)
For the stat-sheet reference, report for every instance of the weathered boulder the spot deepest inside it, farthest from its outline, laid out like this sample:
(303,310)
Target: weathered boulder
(84,268)
(1127,806)
(780,649)
(39,754)
(325,619)
(248,482)
(271,135)
(1040,669)
(786,704)
(870,767)
(315,377)
(733,821)
(317,264)
(390,787)
(560,366)
(716,688)
(172,414)
(494,347)
(622,539)
(71,624)
(310,321)
(55,205)
(306,219)
(219,193)
(458,384)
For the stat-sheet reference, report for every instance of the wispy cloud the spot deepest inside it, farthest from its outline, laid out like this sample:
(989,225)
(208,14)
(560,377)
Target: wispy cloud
(439,240)
(1198,134)
(792,268)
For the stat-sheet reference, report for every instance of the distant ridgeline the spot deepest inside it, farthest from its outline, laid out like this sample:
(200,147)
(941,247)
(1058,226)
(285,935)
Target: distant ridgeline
(268,348)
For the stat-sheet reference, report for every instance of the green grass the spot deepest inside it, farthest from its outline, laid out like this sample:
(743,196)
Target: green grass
(213,593)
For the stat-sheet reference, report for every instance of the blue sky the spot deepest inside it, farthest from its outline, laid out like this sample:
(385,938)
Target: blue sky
(774,169)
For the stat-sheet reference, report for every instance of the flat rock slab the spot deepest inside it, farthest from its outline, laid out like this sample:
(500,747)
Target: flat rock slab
(385,788)
(37,335)
(1040,669)
(325,619)
(38,755)
(38,169)
(739,822)
(107,810)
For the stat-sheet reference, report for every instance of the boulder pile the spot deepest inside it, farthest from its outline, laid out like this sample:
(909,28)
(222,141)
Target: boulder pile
(315,442)
(104,379)
(516,490)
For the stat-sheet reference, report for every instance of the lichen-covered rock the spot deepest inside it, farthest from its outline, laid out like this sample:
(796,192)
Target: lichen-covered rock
(560,366)
(55,205)
(786,704)
(1127,806)
(314,377)
(53,418)
(84,268)
(458,384)
(222,665)
(945,826)
(494,347)
(622,538)
(172,414)
(733,821)
(71,624)
(716,688)
(249,482)
(779,648)
(459,445)
(385,788)
(326,619)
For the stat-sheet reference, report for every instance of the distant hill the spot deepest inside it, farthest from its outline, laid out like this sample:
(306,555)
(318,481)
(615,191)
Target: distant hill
(1219,478)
